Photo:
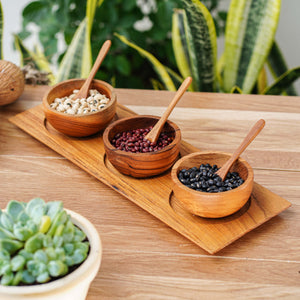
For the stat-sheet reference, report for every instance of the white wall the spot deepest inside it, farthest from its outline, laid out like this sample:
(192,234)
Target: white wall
(287,33)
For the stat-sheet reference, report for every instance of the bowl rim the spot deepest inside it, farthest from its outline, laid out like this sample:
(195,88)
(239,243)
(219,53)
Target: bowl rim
(112,101)
(176,140)
(174,172)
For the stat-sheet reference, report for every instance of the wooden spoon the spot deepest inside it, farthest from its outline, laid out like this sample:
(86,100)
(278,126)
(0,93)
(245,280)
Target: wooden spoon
(153,135)
(255,130)
(84,90)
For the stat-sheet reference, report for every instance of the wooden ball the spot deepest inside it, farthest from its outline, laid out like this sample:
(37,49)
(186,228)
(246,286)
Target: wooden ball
(11,82)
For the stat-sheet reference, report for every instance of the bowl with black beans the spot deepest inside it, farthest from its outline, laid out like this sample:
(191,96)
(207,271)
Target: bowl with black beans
(131,154)
(203,193)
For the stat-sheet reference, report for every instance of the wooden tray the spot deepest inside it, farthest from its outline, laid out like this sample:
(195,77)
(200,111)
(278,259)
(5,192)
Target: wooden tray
(154,194)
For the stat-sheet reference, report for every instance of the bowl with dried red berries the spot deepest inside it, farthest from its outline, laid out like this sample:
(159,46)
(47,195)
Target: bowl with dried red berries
(202,192)
(132,154)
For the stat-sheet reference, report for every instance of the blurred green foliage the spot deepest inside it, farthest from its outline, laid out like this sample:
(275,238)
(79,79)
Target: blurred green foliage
(58,19)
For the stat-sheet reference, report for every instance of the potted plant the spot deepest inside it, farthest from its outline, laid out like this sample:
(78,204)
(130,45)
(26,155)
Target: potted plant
(46,251)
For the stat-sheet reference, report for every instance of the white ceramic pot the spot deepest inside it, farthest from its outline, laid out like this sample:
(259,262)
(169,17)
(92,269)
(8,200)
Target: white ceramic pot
(75,285)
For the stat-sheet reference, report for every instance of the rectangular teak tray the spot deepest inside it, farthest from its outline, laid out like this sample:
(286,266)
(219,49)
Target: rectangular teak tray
(154,194)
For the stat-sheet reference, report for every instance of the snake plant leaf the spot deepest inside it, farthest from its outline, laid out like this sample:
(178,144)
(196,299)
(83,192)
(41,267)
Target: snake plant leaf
(195,45)
(25,54)
(236,90)
(158,67)
(249,35)
(277,66)
(74,58)
(262,81)
(1,31)
(283,82)
(87,49)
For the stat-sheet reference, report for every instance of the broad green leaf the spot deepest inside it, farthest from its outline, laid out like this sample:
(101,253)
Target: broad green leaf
(71,65)
(283,82)
(250,31)
(220,70)
(1,31)
(278,66)
(195,44)
(158,67)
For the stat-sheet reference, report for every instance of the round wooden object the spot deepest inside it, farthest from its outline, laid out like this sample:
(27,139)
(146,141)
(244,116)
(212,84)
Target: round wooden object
(212,205)
(83,124)
(141,165)
(11,82)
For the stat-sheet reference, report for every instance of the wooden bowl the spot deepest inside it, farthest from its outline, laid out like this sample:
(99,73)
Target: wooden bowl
(212,205)
(141,165)
(83,124)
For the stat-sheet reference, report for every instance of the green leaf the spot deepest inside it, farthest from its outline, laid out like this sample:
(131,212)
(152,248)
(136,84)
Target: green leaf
(10,246)
(278,66)
(123,65)
(283,82)
(250,31)
(195,45)
(159,68)
(1,31)
(14,208)
(74,58)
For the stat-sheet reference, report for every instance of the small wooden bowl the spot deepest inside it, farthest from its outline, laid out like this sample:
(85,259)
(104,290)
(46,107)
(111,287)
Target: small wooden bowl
(212,205)
(83,124)
(141,165)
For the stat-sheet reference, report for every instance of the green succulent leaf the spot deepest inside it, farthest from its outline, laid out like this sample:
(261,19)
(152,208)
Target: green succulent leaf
(195,45)
(27,277)
(53,208)
(4,234)
(57,268)
(250,31)
(11,246)
(17,278)
(22,233)
(60,218)
(14,208)
(7,279)
(17,263)
(6,221)
(34,243)
(43,277)
(45,224)
(283,82)
(158,67)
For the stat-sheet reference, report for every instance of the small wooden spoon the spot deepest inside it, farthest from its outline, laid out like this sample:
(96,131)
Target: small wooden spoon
(255,130)
(84,90)
(153,135)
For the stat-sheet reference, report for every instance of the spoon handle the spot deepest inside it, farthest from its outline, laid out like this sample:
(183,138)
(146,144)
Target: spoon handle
(153,135)
(255,130)
(83,92)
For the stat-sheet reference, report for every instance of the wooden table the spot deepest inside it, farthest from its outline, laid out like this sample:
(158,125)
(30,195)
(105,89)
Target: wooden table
(145,259)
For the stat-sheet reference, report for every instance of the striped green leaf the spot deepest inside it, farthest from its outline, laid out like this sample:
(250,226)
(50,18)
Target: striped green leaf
(1,31)
(195,44)
(283,82)
(249,35)
(77,61)
(278,66)
(91,7)
(71,65)
(160,69)
(37,58)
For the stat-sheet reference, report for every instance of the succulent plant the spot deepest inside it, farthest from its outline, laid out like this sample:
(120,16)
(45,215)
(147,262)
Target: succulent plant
(38,242)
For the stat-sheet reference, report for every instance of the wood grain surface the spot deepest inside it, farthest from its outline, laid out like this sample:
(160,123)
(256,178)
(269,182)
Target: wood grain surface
(145,259)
